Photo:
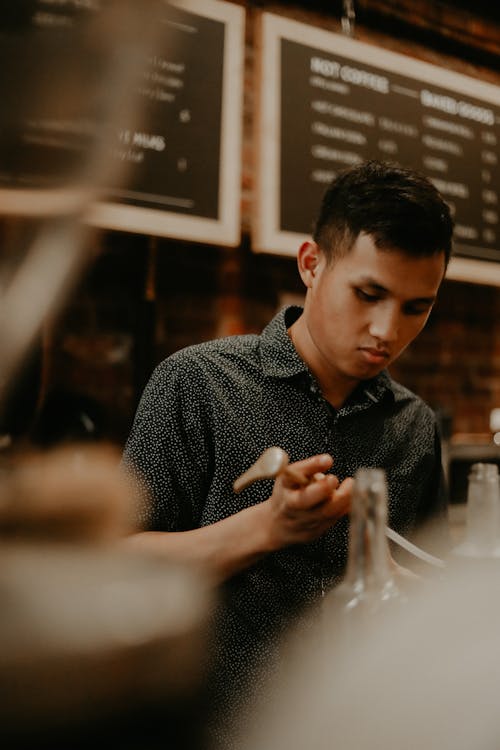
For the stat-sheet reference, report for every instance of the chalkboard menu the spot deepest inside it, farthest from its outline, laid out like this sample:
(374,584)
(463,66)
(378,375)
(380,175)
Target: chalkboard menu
(131,108)
(63,80)
(185,159)
(328,102)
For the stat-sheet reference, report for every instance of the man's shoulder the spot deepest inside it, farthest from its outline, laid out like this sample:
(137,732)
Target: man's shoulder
(229,352)
(403,393)
(408,398)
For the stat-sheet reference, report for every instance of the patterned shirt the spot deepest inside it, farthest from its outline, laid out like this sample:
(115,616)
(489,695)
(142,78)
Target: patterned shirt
(207,414)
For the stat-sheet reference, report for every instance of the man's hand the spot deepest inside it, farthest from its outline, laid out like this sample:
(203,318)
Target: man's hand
(304,504)
(299,512)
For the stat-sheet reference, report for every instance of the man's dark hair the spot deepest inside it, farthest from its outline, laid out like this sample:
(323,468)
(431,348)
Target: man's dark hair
(399,208)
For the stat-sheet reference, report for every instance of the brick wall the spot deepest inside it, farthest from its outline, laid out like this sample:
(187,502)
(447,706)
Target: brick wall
(142,298)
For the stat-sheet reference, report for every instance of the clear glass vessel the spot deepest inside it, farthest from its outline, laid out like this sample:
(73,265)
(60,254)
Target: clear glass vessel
(369,589)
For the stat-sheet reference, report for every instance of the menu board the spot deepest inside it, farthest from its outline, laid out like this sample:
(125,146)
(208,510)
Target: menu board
(56,105)
(185,159)
(328,102)
(128,112)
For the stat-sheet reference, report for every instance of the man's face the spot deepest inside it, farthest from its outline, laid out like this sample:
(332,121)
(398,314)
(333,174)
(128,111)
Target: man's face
(364,309)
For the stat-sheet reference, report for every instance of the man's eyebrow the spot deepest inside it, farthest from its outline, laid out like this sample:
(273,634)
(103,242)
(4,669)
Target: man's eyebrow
(426,300)
(373,284)
(369,281)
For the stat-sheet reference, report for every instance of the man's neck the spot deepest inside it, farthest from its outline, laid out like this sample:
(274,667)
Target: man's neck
(335,387)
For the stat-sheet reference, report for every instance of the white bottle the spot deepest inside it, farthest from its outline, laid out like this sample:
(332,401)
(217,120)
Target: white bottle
(482,513)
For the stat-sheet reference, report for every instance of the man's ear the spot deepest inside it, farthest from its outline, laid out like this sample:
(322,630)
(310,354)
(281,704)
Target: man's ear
(308,258)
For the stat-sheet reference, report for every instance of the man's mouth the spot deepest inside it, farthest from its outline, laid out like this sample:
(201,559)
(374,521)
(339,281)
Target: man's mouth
(374,355)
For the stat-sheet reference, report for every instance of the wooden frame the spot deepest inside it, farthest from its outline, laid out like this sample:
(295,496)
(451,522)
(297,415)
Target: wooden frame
(226,229)
(268,235)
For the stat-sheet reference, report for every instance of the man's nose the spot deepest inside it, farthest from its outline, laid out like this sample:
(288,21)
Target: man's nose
(384,325)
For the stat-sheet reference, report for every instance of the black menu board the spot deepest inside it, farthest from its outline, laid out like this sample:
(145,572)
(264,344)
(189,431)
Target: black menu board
(329,102)
(184,159)
(63,80)
(127,112)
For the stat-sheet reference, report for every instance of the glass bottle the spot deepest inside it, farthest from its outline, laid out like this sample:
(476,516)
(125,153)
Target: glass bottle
(369,590)
(482,513)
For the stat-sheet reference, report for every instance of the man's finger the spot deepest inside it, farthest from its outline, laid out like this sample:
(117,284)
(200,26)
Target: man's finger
(303,472)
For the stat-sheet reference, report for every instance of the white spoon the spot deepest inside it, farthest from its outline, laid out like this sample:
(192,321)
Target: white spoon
(268,466)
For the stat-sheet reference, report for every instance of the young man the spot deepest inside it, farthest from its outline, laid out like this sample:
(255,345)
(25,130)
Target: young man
(315,384)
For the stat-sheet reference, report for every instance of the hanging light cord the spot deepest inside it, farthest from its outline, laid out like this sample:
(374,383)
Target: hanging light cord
(348,17)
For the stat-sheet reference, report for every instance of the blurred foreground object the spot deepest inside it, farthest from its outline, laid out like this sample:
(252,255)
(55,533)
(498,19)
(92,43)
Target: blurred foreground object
(428,680)
(482,528)
(70,81)
(97,644)
(71,493)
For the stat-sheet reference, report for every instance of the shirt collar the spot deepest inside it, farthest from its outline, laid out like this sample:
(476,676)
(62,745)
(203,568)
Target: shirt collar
(379,387)
(280,358)
(278,355)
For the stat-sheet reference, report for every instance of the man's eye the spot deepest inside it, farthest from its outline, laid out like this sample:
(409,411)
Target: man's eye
(417,309)
(366,296)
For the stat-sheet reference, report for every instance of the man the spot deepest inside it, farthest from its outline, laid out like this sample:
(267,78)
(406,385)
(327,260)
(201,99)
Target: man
(315,384)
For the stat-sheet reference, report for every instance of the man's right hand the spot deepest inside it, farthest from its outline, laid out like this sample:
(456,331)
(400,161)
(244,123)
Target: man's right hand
(298,513)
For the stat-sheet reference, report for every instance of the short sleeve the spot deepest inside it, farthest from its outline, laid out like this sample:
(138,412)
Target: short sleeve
(166,452)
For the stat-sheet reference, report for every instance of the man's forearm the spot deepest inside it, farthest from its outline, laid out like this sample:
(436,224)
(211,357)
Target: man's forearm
(221,549)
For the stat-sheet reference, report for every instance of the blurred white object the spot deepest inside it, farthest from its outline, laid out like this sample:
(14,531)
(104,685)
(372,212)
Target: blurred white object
(428,680)
(482,538)
(495,425)
(495,420)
